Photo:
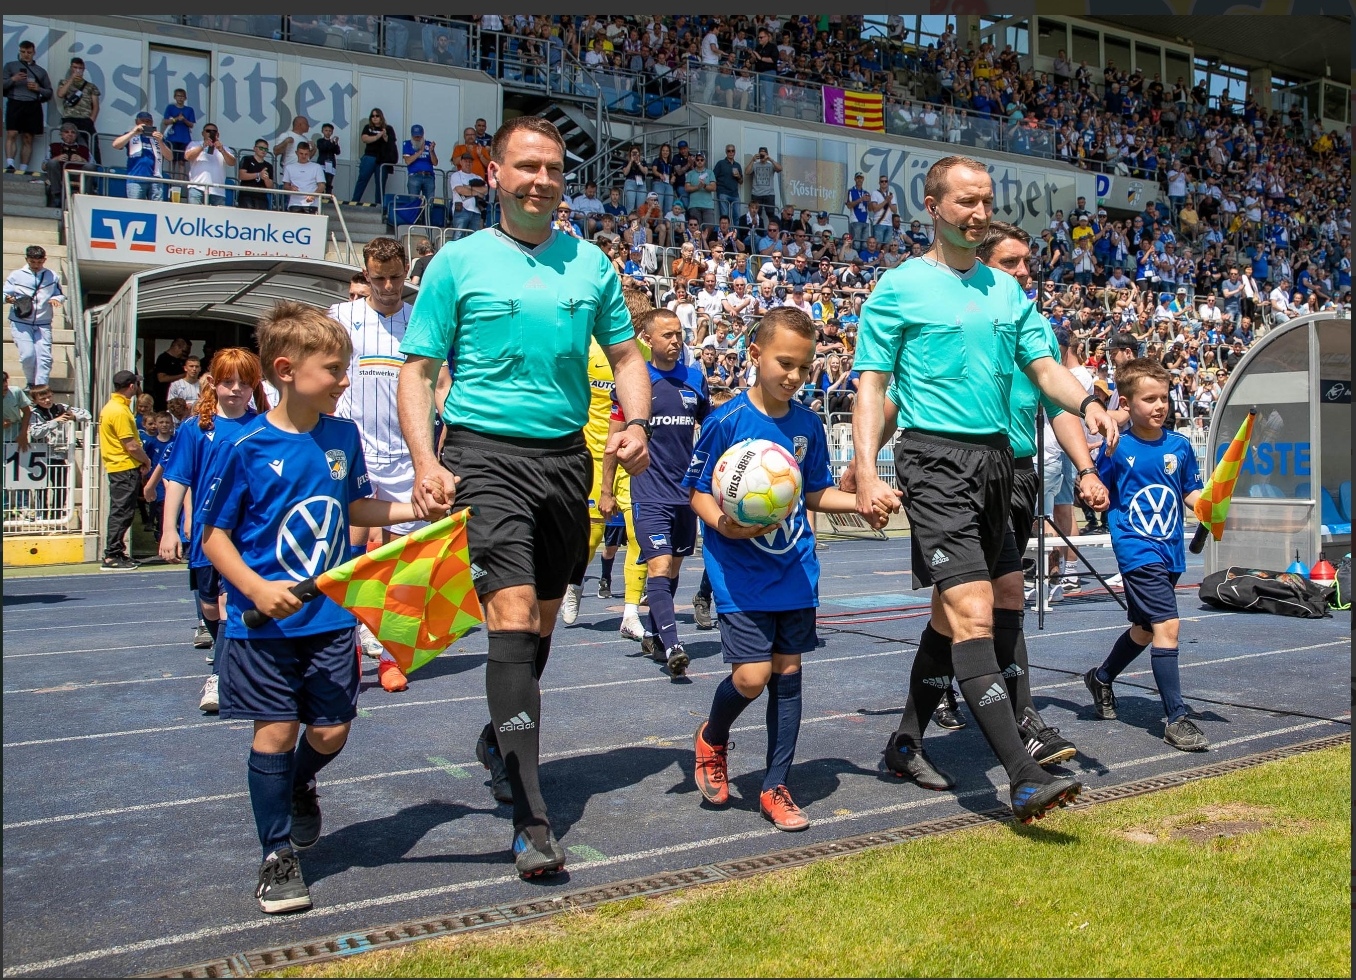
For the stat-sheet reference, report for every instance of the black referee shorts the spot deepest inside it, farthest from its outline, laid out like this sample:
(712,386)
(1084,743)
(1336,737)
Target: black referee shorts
(532,507)
(1025,489)
(957,496)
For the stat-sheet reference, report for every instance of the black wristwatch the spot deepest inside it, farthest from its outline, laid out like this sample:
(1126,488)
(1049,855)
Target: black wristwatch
(643,423)
(1083,408)
(1078,478)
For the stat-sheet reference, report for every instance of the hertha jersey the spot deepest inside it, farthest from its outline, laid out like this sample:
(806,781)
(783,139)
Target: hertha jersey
(373,373)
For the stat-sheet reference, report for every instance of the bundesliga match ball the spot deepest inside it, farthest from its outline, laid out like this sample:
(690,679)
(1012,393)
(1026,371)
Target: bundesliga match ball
(758,482)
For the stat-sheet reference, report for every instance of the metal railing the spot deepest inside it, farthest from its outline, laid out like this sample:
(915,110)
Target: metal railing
(40,483)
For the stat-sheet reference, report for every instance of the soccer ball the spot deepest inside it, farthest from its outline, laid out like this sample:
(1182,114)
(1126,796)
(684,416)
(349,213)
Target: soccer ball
(757,482)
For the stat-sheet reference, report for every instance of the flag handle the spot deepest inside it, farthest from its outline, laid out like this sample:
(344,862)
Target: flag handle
(1198,539)
(305,591)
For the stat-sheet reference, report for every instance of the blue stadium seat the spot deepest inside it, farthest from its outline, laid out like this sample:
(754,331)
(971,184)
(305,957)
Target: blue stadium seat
(1328,511)
(1302,490)
(1264,490)
(115,188)
(1344,499)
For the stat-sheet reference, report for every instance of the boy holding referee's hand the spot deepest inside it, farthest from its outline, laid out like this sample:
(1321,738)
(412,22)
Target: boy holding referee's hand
(277,510)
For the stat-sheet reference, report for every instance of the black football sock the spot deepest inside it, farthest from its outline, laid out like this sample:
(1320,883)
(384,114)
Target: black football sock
(515,712)
(1009,644)
(929,681)
(1169,681)
(984,691)
(1121,656)
(783,726)
(309,762)
(726,706)
(270,782)
(704,587)
(607,566)
(543,655)
(662,617)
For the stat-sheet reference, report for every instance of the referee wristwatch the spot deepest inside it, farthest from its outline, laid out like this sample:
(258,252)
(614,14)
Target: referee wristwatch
(1083,408)
(644,426)
(1078,478)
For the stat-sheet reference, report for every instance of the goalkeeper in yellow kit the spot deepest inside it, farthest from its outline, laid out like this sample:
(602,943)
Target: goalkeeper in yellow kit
(616,497)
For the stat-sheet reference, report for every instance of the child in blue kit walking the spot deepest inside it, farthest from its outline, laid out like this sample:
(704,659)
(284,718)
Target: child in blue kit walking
(1154,483)
(276,511)
(766,581)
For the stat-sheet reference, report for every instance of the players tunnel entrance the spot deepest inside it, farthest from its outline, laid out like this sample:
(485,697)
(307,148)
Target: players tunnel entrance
(1293,492)
(212,304)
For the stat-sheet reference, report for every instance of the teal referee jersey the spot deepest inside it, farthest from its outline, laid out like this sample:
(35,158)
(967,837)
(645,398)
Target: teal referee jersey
(953,341)
(517,322)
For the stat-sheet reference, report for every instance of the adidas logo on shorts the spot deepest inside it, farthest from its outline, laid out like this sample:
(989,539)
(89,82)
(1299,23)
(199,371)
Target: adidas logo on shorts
(518,723)
(938,558)
(941,683)
(993,695)
(1013,670)
(476,572)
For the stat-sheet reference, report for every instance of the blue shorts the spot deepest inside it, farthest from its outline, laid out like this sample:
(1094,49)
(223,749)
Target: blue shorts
(311,679)
(614,535)
(664,529)
(753,637)
(1059,482)
(206,582)
(1150,594)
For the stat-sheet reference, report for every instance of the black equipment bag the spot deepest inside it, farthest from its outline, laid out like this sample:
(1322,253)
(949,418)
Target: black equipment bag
(1262,590)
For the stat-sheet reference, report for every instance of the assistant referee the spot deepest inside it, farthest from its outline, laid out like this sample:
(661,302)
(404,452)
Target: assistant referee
(514,307)
(952,332)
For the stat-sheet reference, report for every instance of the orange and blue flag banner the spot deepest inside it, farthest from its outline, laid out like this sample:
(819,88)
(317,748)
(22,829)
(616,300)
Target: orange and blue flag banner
(862,110)
(414,593)
(1212,506)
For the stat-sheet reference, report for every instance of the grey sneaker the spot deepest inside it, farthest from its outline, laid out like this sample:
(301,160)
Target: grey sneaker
(1183,734)
(569,609)
(281,887)
(701,612)
(202,638)
(1103,698)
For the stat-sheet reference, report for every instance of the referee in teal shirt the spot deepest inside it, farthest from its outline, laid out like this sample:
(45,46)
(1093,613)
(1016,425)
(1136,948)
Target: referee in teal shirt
(952,332)
(514,308)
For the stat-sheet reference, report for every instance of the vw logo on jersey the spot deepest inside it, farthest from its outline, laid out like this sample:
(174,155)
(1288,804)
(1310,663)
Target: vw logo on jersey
(1153,512)
(782,538)
(311,537)
(338,463)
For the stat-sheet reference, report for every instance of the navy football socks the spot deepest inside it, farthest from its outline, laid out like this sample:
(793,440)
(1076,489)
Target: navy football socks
(726,706)
(1122,654)
(1169,681)
(270,782)
(783,726)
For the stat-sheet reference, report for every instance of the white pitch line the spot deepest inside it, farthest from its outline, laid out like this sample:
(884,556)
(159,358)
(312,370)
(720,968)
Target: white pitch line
(69,688)
(397,898)
(83,626)
(135,731)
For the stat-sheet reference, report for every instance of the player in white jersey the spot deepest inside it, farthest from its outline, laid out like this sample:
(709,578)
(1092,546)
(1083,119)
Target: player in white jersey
(377,326)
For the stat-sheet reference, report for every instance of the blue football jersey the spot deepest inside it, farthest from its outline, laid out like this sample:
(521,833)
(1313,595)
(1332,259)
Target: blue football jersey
(678,403)
(1149,483)
(778,571)
(191,457)
(158,452)
(284,496)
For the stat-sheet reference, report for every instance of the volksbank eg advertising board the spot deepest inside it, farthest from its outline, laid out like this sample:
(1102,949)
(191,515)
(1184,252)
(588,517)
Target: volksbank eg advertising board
(163,233)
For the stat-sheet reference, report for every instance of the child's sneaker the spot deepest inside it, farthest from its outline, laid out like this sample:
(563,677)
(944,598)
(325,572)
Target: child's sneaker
(701,612)
(776,805)
(631,627)
(605,588)
(208,702)
(305,816)
(202,638)
(281,887)
(1183,734)
(533,859)
(391,676)
(569,609)
(712,769)
(1103,698)
(652,648)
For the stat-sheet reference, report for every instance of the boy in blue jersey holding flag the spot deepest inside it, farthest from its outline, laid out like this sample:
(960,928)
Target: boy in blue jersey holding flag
(276,511)
(1154,482)
(666,527)
(766,581)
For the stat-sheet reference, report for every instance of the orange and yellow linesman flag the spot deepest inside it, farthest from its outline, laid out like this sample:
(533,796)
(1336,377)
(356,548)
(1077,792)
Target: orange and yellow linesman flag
(1212,506)
(414,593)
(862,110)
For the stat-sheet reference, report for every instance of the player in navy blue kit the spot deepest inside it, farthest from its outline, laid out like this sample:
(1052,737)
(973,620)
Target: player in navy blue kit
(234,376)
(276,511)
(1154,483)
(765,580)
(666,527)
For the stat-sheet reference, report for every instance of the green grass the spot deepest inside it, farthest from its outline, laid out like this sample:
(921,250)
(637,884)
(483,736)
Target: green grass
(1116,890)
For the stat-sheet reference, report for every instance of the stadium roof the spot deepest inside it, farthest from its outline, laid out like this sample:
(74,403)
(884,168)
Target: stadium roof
(1305,46)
